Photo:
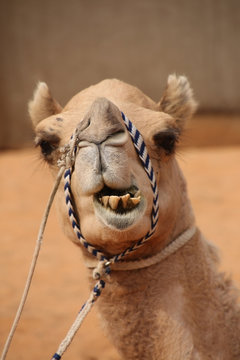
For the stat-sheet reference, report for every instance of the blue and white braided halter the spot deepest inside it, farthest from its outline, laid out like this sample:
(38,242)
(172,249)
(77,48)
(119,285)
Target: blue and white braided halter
(103,267)
(145,159)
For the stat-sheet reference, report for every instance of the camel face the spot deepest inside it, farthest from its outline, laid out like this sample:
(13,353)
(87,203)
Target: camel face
(112,193)
(108,180)
(105,169)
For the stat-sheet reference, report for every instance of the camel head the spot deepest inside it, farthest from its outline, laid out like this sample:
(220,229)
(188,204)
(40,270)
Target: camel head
(112,193)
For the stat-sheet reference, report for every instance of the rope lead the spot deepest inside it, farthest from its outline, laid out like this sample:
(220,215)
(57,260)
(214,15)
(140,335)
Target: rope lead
(33,264)
(79,319)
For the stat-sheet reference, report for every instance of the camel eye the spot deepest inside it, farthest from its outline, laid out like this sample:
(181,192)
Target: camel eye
(46,147)
(48,144)
(167,140)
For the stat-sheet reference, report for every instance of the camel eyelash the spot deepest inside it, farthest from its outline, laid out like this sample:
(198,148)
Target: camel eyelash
(48,144)
(167,140)
(46,147)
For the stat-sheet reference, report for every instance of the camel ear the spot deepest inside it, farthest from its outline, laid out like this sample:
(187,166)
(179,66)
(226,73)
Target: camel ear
(42,105)
(178,100)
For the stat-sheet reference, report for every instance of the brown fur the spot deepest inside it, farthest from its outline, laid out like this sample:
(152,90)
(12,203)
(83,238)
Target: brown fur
(175,99)
(42,104)
(182,308)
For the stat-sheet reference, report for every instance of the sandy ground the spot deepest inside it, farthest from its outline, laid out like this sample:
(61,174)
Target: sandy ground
(60,286)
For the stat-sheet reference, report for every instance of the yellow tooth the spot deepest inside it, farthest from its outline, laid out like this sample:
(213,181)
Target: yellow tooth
(105,200)
(135,201)
(113,201)
(137,194)
(125,200)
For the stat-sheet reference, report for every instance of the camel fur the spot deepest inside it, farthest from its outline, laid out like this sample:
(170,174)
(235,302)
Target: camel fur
(181,308)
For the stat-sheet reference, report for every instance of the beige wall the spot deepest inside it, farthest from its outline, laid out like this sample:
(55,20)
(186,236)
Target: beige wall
(71,44)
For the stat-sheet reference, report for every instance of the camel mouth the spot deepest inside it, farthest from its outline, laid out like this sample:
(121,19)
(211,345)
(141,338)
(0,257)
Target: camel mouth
(120,201)
(119,208)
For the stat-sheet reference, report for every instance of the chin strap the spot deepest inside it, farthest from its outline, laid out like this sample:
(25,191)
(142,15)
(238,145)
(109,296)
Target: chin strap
(170,249)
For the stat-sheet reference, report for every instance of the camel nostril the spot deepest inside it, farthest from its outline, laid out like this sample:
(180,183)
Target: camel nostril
(88,123)
(84,124)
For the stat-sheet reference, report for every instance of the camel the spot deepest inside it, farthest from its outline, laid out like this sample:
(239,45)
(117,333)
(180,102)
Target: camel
(179,308)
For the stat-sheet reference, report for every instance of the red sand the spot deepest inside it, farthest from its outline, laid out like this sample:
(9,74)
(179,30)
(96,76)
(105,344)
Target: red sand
(60,285)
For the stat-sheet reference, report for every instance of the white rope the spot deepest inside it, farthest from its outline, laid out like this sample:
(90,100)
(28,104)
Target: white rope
(33,264)
(175,245)
(74,328)
(79,319)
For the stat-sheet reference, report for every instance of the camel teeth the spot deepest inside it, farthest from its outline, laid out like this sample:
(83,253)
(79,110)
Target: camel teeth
(135,201)
(125,199)
(113,201)
(137,194)
(105,200)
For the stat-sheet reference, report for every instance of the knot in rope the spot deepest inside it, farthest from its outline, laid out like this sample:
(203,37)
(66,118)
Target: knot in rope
(102,269)
(68,152)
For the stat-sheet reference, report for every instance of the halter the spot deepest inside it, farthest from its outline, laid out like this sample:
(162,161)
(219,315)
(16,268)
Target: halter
(145,159)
